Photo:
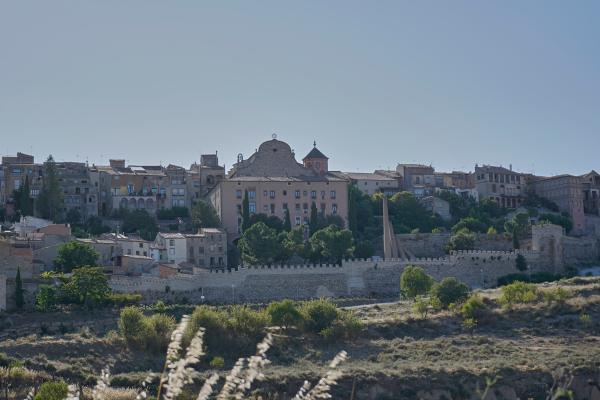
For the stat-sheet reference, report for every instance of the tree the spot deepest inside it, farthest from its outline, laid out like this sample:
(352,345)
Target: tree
(421,306)
(140,222)
(284,313)
(313,224)
(75,254)
(49,201)
(271,221)
(332,244)
(19,299)
(450,290)
(319,315)
(52,390)
(259,245)
(521,262)
(364,249)
(73,216)
(563,220)
(46,298)
(472,224)
(245,212)
(406,214)
(204,215)
(292,243)
(414,282)
(22,198)
(87,286)
(287,223)
(353,197)
(461,240)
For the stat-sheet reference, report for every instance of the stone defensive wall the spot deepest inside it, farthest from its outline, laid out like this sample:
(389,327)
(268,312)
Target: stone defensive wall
(353,278)
(432,244)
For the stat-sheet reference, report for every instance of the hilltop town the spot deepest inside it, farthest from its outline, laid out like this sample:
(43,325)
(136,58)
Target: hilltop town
(251,233)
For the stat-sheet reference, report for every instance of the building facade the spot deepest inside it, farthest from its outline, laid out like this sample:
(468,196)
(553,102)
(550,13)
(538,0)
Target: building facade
(504,186)
(276,182)
(417,178)
(370,183)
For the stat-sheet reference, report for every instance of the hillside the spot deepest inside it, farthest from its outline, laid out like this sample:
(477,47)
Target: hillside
(524,350)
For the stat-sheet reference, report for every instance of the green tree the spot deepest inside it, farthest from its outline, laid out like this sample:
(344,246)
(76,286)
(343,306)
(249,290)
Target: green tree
(472,224)
(87,286)
(75,254)
(19,298)
(450,290)
(521,262)
(46,298)
(52,390)
(271,221)
(49,201)
(259,245)
(287,223)
(204,215)
(73,216)
(284,313)
(518,225)
(353,199)
(140,222)
(22,197)
(332,244)
(415,282)
(461,240)
(133,326)
(563,220)
(245,212)
(364,249)
(313,224)
(319,315)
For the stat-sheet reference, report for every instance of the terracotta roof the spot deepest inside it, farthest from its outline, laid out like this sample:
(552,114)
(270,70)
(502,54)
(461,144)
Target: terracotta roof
(315,153)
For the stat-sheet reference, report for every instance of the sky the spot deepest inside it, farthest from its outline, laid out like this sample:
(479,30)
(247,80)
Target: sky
(447,83)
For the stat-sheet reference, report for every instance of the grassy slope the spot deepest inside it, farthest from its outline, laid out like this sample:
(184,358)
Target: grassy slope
(398,356)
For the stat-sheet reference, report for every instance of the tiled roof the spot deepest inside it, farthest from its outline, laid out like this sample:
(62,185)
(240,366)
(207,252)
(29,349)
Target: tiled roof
(315,153)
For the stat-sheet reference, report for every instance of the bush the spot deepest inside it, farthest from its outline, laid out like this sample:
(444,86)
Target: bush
(47,298)
(346,326)
(284,313)
(421,307)
(556,295)
(160,327)
(247,323)
(474,307)
(319,315)
(462,239)
(124,299)
(521,262)
(215,323)
(134,327)
(414,282)
(518,292)
(217,362)
(56,390)
(450,290)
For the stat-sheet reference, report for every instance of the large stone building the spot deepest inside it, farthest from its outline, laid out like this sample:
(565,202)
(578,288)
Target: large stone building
(205,249)
(504,186)
(276,182)
(417,178)
(370,183)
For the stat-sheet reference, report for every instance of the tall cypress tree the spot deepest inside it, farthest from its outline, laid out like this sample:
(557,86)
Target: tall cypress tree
(352,213)
(287,223)
(19,300)
(313,224)
(245,212)
(24,199)
(50,199)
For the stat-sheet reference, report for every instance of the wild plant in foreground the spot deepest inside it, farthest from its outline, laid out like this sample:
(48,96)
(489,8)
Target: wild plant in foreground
(322,388)
(179,371)
(207,388)
(73,393)
(173,350)
(232,380)
(101,385)
(255,365)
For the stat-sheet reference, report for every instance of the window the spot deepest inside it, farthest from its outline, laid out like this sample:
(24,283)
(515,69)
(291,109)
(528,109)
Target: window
(265,193)
(265,208)
(172,252)
(34,192)
(297,221)
(238,194)
(305,206)
(252,207)
(201,250)
(17,184)
(323,208)
(297,194)
(171,242)
(129,252)
(297,206)
(313,194)
(141,245)
(130,189)
(252,194)
(285,206)
(304,193)
(272,194)
(285,192)
(332,194)
(334,209)
(114,191)
(178,203)
(137,252)
(178,192)
(272,208)
(322,195)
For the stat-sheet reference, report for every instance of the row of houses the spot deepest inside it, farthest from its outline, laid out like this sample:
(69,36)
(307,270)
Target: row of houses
(277,184)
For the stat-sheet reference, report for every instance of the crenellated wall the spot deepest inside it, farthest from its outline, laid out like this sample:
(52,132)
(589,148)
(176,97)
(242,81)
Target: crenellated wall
(352,278)
(432,244)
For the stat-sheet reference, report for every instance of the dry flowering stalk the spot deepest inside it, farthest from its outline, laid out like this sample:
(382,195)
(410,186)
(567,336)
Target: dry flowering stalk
(255,365)
(322,388)
(173,350)
(101,385)
(232,380)
(73,393)
(179,371)
(207,388)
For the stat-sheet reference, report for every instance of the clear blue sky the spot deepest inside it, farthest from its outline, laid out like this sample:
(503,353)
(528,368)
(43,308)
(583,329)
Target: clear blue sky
(452,83)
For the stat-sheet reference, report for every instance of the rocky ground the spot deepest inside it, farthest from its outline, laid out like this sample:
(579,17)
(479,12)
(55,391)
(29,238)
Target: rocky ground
(517,353)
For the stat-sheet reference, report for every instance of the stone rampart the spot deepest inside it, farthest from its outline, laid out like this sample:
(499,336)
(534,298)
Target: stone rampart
(433,244)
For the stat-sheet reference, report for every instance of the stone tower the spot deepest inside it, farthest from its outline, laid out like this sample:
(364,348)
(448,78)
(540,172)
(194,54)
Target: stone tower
(316,161)
(548,240)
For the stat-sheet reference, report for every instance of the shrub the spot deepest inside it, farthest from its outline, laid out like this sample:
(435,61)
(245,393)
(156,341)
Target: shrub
(319,315)
(474,307)
(521,262)
(160,327)
(557,295)
(124,299)
(56,390)
(518,292)
(160,307)
(248,323)
(345,326)
(284,313)
(469,324)
(414,282)
(538,277)
(46,298)
(134,326)
(217,362)
(421,307)
(450,290)
(215,323)
(462,239)
(492,231)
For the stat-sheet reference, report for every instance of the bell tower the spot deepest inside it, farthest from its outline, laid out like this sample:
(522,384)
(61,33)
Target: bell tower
(316,160)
